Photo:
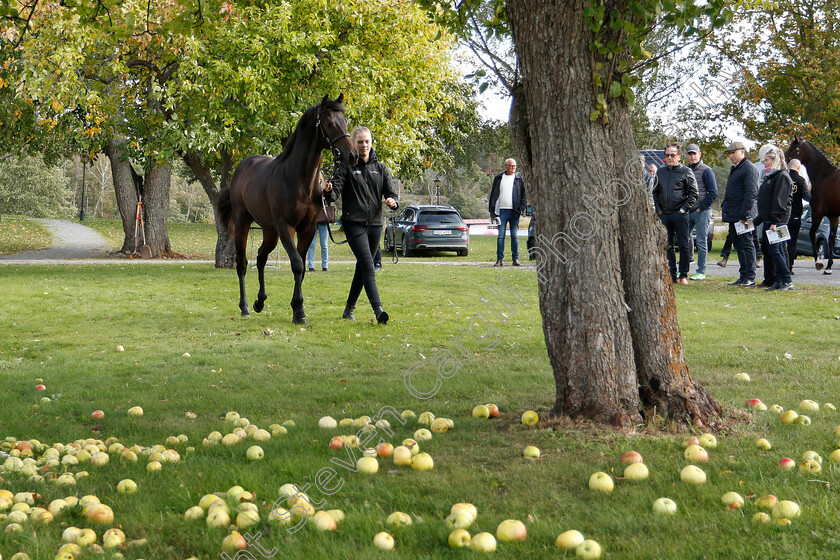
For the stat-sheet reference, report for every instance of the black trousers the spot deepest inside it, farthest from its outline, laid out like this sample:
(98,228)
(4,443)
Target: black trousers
(727,245)
(363,241)
(794,225)
(676,226)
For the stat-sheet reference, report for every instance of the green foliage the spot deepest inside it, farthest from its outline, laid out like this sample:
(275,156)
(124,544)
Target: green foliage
(28,187)
(469,206)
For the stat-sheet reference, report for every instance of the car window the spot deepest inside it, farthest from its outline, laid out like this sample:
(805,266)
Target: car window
(409,216)
(401,217)
(440,217)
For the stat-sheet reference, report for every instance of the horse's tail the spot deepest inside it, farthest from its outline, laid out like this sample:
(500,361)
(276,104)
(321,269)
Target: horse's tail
(225,208)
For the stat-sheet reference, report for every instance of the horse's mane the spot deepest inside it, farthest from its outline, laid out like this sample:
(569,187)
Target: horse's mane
(307,120)
(821,158)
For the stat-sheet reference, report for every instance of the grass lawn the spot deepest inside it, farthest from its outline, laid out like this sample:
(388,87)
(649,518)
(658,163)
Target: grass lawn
(20,234)
(62,325)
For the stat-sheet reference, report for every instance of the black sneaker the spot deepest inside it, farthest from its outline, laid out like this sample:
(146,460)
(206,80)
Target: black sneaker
(788,287)
(311,269)
(735,283)
(747,284)
(775,286)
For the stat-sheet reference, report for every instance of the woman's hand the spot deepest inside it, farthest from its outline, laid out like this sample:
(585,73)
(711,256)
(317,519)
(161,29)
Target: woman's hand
(327,187)
(391,202)
(772,227)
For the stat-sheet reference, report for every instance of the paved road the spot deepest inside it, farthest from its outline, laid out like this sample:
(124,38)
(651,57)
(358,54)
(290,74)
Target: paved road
(77,244)
(73,241)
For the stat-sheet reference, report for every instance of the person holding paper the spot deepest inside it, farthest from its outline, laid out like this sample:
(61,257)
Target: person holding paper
(774,206)
(739,206)
(801,191)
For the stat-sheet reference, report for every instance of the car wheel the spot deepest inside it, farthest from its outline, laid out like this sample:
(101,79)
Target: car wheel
(388,245)
(406,252)
(463,252)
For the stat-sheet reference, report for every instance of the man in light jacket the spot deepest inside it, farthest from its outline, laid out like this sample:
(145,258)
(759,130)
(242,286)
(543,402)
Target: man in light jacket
(507,203)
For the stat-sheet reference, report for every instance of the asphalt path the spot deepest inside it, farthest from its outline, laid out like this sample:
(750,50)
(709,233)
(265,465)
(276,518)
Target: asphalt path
(77,244)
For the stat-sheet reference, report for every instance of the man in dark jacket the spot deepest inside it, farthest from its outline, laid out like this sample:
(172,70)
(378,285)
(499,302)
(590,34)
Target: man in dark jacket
(507,203)
(801,192)
(700,214)
(739,206)
(674,194)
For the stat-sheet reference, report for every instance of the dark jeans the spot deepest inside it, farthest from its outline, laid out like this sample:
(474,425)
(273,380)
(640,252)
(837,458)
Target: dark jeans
(776,264)
(363,242)
(676,224)
(746,253)
(727,245)
(794,225)
(508,218)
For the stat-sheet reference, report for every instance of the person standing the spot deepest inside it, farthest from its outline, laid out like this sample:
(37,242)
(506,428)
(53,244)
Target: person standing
(774,207)
(322,232)
(739,206)
(362,187)
(674,194)
(700,213)
(507,203)
(801,192)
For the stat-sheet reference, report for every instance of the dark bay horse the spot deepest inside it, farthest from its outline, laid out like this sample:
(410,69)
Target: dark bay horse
(825,193)
(283,195)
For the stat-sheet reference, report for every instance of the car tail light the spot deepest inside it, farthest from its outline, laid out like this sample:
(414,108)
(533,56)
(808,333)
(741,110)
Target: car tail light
(462,228)
(419,228)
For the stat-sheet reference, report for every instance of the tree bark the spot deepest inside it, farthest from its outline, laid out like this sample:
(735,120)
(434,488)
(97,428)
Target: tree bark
(225,250)
(607,302)
(156,206)
(123,189)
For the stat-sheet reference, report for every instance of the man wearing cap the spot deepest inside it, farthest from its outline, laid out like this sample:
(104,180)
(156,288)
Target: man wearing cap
(739,205)
(801,192)
(674,194)
(698,217)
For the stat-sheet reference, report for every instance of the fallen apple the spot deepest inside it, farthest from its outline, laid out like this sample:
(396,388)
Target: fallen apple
(255,453)
(463,506)
(786,509)
(751,403)
(113,538)
(99,513)
(402,456)
(127,486)
(511,530)
(494,410)
(481,411)
(834,457)
(327,423)
(323,521)
(631,457)
(588,550)
(601,482)
(247,519)
(423,434)
(807,405)
(426,418)
(439,426)
(194,513)
(336,442)
(696,454)
(742,376)
(732,497)
(636,471)
(218,517)
(786,463)
(460,519)
(530,418)
(531,452)
(763,444)
(368,465)
(234,541)
(483,542)
(397,519)
(422,462)
(708,441)
(803,420)
(829,406)
(776,409)
(383,541)
(135,411)
(788,417)
(812,456)
(569,540)
(664,506)
(336,514)
(692,474)
(385,449)
(408,414)
(459,538)
(690,441)
(767,501)
(40,387)
(760,517)
(97,415)
(412,446)
(811,467)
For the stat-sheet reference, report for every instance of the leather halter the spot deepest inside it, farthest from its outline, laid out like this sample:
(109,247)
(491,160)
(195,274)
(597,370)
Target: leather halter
(330,142)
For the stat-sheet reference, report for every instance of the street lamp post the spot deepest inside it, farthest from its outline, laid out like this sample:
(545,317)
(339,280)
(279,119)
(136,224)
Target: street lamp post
(84,175)
(437,190)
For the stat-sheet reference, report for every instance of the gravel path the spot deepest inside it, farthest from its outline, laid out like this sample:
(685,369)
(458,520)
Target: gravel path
(72,241)
(77,244)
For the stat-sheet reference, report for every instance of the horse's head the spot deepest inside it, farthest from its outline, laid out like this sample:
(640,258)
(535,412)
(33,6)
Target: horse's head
(332,129)
(793,151)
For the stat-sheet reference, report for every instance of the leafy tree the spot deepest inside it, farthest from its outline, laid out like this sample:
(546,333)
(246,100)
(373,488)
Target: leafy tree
(29,187)
(608,305)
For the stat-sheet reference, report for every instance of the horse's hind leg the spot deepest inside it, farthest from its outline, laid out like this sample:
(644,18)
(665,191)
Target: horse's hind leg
(268,245)
(832,239)
(240,240)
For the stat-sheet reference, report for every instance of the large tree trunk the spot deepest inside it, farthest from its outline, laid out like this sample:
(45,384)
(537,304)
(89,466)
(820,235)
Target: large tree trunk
(156,205)
(123,189)
(225,250)
(607,302)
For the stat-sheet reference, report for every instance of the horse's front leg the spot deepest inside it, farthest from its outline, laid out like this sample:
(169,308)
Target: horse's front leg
(240,240)
(832,239)
(298,269)
(268,245)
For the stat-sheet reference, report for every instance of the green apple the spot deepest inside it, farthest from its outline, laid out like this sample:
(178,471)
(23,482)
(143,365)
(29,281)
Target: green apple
(807,405)
(460,519)
(481,411)
(530,418)
(763,444)
(255,453)
(511,530)
(327,423)
(708,441)
(811,467)
(588,550)
(742,376)
(402,456)
(426,418)
(569,540)
(127,486)
(423,434)
(636,471)
(367,465)
(459,538)
(776,409)
(760,517)
(732,497)
(803,420)
(788,417)
(812,456)
(463,506)
(113,538)
(664,506)
(483,542)
(408,414)
(194,513)
(383,541)
(247,519)
(786,509)
(531,452)
(135,411)
(835,456)
(692,474)
(233,542)
(767,501)
(422,462)
(601,482)
(397,519)
(323,521)
(696,454)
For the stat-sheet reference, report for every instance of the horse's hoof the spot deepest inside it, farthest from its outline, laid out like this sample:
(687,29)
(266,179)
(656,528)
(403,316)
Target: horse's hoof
(258,306)
(299,320)
(245,313)
(819,265)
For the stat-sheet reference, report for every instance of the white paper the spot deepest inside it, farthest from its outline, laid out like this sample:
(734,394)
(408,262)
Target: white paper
(741,229)
(781,234)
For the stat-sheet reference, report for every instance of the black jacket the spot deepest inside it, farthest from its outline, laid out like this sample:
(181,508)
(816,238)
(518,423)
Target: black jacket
(520,200)
(362,188)
(774,198)
(800,193)
(675,189)
(741,191)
